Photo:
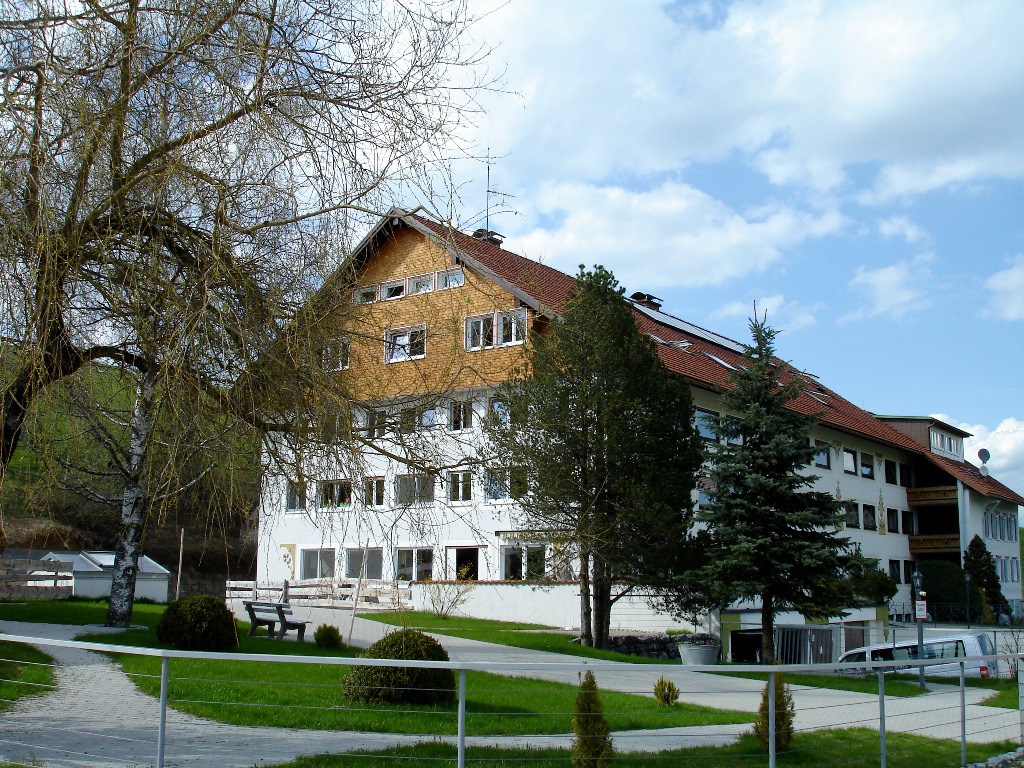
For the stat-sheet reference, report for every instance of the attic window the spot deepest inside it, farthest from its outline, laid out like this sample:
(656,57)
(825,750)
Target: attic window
(393,290)
(450,278)
(365,295)
(721,362)
(819,396)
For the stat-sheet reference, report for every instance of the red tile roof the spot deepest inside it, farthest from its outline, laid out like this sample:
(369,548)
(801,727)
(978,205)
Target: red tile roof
(702,357)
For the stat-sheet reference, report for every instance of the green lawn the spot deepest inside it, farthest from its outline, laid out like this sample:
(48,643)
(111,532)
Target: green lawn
(532,636)
(24,671)
(74,611)
(310,696)
(856,683)
(851,748)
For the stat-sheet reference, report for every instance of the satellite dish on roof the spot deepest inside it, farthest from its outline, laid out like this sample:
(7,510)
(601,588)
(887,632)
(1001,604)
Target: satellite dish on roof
(984,455)
(983,470)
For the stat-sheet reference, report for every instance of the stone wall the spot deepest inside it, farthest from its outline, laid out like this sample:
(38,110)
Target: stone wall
(659,646)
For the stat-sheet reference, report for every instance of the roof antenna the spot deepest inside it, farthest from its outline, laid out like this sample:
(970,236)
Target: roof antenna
(487,203)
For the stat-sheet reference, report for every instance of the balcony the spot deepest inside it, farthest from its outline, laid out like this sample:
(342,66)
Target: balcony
(933,545)
(924,497)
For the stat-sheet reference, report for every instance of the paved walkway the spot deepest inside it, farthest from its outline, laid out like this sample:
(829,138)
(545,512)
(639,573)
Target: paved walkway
(96,716)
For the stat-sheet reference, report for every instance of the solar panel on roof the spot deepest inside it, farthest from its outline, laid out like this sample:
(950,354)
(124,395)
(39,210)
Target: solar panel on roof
(690,328)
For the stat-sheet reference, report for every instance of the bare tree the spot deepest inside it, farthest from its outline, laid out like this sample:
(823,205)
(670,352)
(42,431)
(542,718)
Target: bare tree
(179,178)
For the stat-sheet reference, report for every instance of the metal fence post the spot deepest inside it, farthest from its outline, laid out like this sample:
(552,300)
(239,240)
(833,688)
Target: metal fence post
(963,715)
(1020,696)
(771,720)
(162,730)
(462,719)
(883,752)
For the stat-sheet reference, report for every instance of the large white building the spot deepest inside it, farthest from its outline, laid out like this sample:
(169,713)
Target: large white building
(438,319)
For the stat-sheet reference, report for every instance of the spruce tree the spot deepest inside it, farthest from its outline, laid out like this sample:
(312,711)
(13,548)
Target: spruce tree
(604,439)
(772,539)
(980,563)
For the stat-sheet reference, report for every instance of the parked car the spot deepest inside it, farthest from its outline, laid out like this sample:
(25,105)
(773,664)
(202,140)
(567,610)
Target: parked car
(953,647)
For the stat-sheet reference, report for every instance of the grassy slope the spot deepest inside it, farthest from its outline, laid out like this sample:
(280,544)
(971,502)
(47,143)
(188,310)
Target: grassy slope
(531,636)
(851,748)
(310,696)
(24,671)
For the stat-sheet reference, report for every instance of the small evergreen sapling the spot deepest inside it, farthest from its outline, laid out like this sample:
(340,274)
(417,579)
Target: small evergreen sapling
(784,714)
(665,692)
(592,747)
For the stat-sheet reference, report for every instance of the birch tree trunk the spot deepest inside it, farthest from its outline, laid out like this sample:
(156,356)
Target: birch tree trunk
(586,630)
(133,508)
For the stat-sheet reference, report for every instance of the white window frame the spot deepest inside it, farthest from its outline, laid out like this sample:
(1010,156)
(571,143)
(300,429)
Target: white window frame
(414,488)
(498,483)
(360,294)
(500,321)
(421,568)
(444,279)
(295,496)
(420,284)
(320,570)
(392,286)
(460,487)
(460,415)
(332,489)
(514,320)
(336,355)
(373,492)
(398,351)
(483,321)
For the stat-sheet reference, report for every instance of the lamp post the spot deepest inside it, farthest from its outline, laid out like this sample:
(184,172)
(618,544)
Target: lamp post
(967,593)
(920,611)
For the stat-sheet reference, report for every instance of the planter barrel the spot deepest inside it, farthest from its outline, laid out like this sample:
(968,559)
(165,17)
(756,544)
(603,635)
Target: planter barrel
(698,654)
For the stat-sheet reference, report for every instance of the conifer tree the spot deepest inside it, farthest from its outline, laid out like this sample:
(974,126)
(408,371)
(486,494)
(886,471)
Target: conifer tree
(980,563)
(605,446)
(772,539)
(785,713)
(592,747)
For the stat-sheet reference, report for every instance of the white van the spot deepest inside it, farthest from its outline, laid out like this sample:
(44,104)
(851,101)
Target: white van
(954,647)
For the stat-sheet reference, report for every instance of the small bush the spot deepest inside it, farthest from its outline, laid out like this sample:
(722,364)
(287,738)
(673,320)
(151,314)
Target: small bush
(592,747)
(198,623)
(784,713)
(393,685)
(327,637)
(665,692)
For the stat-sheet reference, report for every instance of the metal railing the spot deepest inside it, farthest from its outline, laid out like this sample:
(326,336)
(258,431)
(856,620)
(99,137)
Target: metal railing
(98,711)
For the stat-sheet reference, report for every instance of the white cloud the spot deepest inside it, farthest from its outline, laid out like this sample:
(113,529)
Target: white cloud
(904,228)
(894,290)
(1005,443)
(782,315)
(920,95)
(674,235)
(1007,289)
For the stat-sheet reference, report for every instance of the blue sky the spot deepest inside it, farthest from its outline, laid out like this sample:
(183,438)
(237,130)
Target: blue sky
(855,168)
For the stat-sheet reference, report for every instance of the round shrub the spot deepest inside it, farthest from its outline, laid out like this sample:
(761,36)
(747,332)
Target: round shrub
(198,623)
(327,636)
(394,685)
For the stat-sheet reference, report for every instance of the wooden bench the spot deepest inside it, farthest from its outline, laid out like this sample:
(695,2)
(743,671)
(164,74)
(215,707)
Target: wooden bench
(271,614)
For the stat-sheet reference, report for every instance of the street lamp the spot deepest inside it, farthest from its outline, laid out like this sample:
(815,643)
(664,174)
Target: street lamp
(920,611)
(967,592)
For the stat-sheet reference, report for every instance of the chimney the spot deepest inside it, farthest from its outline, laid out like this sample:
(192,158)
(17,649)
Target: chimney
(646,300)
(489,236)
